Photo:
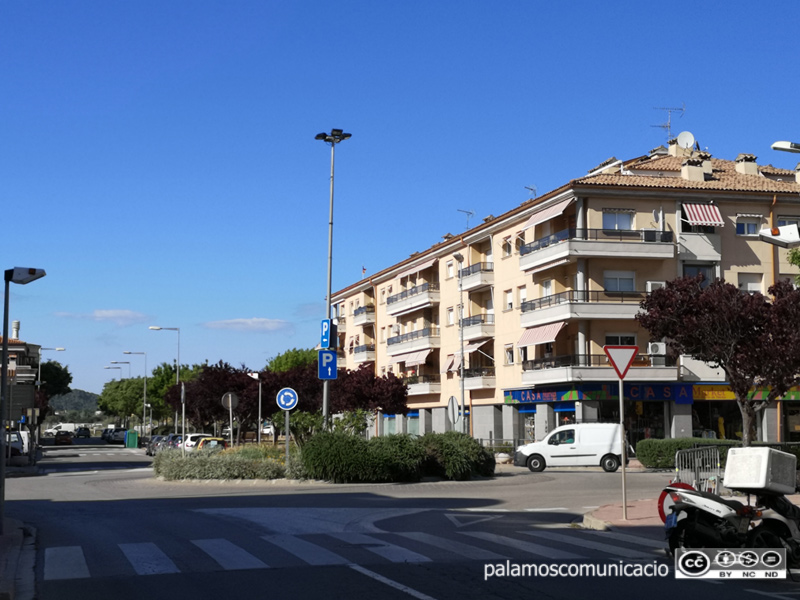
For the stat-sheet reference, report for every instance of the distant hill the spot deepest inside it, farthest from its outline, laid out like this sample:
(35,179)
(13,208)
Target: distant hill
(75,400)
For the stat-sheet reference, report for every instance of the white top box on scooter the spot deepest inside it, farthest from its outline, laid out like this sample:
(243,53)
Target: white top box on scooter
(760,470)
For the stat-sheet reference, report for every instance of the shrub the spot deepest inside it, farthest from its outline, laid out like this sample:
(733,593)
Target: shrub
(660,454)
(456,456)
(336,456)
(172,465)
(395,458)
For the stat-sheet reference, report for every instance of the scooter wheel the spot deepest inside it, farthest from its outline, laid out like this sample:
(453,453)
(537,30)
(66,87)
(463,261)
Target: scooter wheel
(684,537)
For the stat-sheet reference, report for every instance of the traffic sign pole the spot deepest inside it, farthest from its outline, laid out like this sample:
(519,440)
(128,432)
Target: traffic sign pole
(621,358)
(287,399)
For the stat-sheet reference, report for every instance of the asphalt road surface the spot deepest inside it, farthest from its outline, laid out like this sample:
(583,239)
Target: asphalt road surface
(117,532)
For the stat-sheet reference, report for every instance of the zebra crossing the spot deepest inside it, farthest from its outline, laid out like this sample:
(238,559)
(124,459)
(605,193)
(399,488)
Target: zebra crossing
(281,550)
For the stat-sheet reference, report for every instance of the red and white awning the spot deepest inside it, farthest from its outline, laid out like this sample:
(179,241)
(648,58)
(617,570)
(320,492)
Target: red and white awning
(542,334)
(540,216)
(703,214)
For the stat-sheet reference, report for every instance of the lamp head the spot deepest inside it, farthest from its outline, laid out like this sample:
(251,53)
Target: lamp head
(23,275)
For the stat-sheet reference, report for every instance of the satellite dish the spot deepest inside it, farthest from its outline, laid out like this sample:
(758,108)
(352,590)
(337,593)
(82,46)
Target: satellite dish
(685,139)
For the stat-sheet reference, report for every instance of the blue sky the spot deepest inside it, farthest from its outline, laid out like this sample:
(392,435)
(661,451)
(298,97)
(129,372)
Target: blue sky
(158,159)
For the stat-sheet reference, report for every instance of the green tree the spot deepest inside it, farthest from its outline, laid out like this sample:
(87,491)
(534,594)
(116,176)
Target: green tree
(56,380)
(122,398)
(291,359)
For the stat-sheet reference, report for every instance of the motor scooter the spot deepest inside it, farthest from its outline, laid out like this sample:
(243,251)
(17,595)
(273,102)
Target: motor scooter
(706,520)
(779,527)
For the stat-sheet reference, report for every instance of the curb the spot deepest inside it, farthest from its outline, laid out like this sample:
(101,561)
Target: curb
(592,522)
(10,547)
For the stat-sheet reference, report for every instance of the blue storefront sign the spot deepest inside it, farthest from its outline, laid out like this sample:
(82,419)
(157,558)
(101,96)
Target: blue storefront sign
(680,393)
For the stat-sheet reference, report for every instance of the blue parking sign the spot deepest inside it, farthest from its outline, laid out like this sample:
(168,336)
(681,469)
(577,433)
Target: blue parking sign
(327,364)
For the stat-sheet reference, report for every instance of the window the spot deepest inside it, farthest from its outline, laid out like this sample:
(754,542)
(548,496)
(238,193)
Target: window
(351,308)
(451,316)
(618,281)
(620,339)
(450,269)
(509,354)
(614,219)
(519,242)
(750,282)
(383,295)
(748,225)
(507,247)
(547,288)
(708,271)
(566,436)
(383,335)
(509,300)
(522,294)
(788,221)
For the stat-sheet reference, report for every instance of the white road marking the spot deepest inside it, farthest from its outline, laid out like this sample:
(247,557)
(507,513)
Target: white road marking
(557,508)
(472,552)
(391,552)
(624,537)
(65,562)
(391,583)
(147,559)
(229,555)
(538,550)
(306,551)
(567,539)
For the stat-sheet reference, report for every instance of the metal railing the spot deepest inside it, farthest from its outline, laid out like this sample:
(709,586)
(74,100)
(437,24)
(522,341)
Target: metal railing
(622,235)
(479,372)
(417,289)
(476,268)
(699,467)
(477,320)
(364,348)
(362,310)
(594,360)
(414,335)
(580,296)
(414,379)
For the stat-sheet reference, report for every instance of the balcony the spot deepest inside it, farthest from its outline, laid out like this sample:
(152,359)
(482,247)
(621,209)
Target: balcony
(419,385)
(569,244)
(477,276)
(341,324)
(416,298)
(479,378)
(700,246)
(423,339)
(477,327)
(595,367)
(575,304)
(364,315)
(364,353)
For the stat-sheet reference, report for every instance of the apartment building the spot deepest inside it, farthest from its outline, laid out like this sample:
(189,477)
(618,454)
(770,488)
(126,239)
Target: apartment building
(545,285)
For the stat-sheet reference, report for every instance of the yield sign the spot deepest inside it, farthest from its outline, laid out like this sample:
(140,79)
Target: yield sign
(621,358)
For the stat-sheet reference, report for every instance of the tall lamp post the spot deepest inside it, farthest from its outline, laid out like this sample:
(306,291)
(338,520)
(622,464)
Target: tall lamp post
(334,137)
(177,376)
(460,259)
(19,275)
(260,427)
(144,402)
(123,362)
(120,371)
(787,236)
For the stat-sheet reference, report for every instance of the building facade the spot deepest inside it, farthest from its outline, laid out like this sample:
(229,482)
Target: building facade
(547,284)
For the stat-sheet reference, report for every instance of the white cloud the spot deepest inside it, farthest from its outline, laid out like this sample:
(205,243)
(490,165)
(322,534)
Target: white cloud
(256,324)
(119,317)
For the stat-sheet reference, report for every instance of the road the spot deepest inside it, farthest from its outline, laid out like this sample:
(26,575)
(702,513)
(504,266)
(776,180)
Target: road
(112,526)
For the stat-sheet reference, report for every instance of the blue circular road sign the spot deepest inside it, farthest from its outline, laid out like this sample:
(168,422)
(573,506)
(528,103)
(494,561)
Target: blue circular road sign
(287,399)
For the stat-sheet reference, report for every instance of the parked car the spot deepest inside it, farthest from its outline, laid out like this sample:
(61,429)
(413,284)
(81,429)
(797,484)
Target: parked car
(173,440)
(117,436)
(83,432)
(267,428)
(106,433)
(63,438)
(152,444)
(212,443)
(192,439)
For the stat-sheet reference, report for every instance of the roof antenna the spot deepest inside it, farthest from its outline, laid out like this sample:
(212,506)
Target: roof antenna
(469,213)
(532,190)
(668,125)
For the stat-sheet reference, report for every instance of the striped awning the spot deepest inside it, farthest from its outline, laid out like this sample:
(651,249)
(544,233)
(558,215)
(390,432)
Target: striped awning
(703,214)
(412,359)
(545,214)
(453,363)
(417,268)
(542,334)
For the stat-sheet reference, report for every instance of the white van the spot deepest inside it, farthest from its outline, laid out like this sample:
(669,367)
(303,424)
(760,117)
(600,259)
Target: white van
(579,445)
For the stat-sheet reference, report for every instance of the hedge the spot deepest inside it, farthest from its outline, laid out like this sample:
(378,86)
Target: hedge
(660,454)
(172,465)
(345,458)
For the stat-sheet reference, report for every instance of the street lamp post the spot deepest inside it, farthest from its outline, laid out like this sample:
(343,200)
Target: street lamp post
(460,259)
(177,377)
(258,435)
(120,371)
(123,362)
(144,401)
(334,137)
(19,275)
(787,236)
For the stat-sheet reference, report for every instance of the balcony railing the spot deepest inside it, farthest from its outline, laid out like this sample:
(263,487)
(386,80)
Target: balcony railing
(364,348)
(364,310)
(594,360)
(415,379)
(579,296)
(414,335)
(479,372)
(476,268)
(621,235)
(417,289)
(477,320)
